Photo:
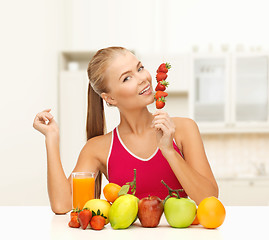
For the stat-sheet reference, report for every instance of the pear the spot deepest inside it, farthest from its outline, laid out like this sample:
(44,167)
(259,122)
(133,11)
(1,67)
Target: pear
(123,211)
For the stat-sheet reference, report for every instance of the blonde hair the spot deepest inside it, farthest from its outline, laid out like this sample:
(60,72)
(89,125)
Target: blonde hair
(95,125)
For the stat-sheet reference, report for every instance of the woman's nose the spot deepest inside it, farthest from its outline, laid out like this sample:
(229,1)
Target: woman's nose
(142,78)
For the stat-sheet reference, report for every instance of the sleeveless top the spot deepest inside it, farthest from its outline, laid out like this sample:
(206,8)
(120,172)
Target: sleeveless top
(149,172)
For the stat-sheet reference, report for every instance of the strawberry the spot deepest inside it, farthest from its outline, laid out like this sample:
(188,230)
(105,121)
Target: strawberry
(97,222)
(161,86)
(160,103)
(161,76)
(74,223)
(164,67)
(159,94)
(84,218)
(74,212)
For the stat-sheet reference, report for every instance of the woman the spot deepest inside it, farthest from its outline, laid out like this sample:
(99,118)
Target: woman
(157,146)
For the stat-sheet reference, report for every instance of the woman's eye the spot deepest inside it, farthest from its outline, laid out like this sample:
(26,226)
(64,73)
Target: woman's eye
(125,79)
(141,68)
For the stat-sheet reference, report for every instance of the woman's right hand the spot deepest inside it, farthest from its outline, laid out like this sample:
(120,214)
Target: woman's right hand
(44,122)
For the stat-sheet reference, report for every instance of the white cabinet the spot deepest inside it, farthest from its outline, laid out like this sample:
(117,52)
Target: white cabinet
(244,192)
(250,88)
(209,96)
(230,91)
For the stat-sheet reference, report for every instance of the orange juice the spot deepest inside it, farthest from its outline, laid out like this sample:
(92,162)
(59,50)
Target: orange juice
(82,189)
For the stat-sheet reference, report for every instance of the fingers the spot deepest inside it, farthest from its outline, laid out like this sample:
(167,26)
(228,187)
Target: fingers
(161,126)
(163,117)
(44,116)
(161,121)
(159,112)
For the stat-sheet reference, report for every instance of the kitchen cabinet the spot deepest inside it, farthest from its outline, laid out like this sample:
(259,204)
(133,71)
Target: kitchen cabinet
(209,89)
(250,76)
(229,92)
(244,191)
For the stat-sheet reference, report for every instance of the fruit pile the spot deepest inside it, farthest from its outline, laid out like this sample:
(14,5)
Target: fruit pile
(122,210)
(161,85)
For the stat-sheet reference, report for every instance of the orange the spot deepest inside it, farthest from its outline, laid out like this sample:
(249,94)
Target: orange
(195,221)
(111,191)
(211,212)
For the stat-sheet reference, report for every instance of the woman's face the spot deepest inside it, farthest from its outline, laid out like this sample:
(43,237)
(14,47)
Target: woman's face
(130,84)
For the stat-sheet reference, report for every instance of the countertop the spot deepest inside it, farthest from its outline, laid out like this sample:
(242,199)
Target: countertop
(39,222)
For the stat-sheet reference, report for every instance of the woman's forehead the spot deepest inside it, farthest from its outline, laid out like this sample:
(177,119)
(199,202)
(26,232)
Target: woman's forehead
(121,63)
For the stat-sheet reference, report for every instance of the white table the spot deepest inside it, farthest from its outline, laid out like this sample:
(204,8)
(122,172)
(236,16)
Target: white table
(249,222)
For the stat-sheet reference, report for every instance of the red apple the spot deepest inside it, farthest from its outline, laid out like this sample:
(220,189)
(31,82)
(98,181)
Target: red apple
(150,210)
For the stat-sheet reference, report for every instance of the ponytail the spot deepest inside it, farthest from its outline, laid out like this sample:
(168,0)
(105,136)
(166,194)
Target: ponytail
(97,85)
(95,126)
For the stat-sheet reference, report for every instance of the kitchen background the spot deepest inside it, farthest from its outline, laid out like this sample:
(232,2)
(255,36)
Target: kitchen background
(219,53)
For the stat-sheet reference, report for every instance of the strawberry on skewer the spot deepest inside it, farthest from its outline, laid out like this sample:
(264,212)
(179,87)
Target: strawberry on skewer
(161,85)
(164,67)
(161,76)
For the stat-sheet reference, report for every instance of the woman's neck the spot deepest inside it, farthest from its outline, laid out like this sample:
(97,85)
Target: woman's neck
(135,122)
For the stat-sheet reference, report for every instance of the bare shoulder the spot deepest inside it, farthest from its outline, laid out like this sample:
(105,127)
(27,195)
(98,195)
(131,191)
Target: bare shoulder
(99,142)
(99,146)
(185,125)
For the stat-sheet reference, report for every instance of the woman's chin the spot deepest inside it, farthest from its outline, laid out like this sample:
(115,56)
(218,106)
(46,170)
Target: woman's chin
(151,101)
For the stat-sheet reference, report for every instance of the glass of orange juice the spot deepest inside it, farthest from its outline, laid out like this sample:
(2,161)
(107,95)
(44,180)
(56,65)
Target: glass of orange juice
(83,186)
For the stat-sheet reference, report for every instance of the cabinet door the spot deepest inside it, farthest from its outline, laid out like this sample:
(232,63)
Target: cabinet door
(210,80)
(251,89)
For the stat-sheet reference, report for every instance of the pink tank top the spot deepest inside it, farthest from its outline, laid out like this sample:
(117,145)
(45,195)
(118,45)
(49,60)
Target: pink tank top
(149,172)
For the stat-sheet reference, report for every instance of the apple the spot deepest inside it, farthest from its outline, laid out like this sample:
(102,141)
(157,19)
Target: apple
(150,210)
(179,212)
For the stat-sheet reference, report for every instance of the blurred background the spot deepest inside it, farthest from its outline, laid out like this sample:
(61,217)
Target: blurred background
(219,54)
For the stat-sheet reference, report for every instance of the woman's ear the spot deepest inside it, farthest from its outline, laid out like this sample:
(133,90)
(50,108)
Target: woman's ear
(109,100)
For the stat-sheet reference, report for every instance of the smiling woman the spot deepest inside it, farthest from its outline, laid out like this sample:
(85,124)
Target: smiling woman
(157,146)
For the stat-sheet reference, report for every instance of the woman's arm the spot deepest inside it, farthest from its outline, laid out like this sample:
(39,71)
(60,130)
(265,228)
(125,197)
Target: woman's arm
(59,187)
(193,172)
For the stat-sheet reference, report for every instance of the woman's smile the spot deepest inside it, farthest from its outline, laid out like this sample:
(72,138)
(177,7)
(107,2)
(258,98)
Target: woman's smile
(146,91)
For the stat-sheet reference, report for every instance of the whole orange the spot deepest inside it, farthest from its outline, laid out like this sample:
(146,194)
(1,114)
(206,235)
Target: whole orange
(111,191)
(211,212)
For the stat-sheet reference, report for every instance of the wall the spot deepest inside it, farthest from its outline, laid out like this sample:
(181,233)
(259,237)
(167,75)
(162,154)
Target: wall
(237,155)
(30,35)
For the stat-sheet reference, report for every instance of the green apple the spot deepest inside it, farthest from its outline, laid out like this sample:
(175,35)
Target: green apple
(179,212)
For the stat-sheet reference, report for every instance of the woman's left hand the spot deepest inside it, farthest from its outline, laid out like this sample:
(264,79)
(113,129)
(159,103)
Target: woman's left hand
(165,130)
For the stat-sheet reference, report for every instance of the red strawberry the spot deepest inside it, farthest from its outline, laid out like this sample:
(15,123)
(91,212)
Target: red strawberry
(74,223)
(159,94)
(164,67)
(160,103)
(84,218)
(161,76)
(161,86)
(97,222)
(74,212)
